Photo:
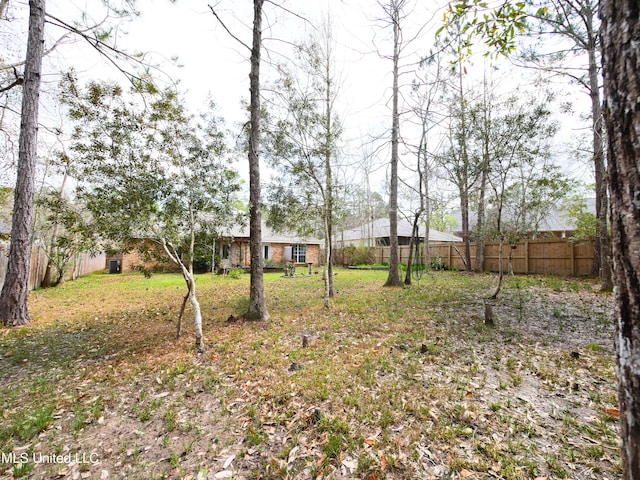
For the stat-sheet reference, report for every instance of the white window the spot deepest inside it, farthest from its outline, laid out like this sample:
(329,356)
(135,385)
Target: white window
(299,253)
(266,252)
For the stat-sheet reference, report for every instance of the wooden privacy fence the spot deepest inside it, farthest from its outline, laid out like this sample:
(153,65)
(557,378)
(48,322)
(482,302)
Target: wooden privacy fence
(550,257)
(86,263)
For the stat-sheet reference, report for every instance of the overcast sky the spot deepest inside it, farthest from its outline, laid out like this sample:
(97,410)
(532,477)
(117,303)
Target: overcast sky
(214,63)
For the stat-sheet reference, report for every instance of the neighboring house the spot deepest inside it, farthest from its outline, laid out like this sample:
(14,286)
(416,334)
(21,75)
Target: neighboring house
(277,248)
(559,224)
(232,248)
(556,223)
(135,258)
(377,233)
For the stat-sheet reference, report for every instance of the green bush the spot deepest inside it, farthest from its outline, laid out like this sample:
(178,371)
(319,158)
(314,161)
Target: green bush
(359,255)
(236,273)
(438,264)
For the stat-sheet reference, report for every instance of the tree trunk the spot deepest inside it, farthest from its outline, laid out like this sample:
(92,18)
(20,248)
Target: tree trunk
(393,279)
(197,314)
(330,292)
(13,299)
(601,260)
(187,274)
(3,7)
(501,247)
(412,245)
(327,262)
(426,256)
(621,61)
(464,183)
(47,280)
(257,302)
(479,263)
(500,269)
(464,212)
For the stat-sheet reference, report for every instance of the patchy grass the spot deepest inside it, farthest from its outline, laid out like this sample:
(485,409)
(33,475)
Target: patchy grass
(393,383)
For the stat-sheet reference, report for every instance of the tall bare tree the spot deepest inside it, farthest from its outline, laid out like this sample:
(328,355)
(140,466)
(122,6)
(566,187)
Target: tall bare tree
(458,162)
(13,299)
(257,302)
(393,10)
(620,31)
(482,116)
(425,89)
(302,144)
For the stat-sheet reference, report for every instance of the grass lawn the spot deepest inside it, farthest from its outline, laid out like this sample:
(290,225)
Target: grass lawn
(404,383)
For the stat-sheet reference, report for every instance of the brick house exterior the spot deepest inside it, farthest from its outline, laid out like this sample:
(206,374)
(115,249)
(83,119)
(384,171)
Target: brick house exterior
(277,248)
(134,258)
(233,246)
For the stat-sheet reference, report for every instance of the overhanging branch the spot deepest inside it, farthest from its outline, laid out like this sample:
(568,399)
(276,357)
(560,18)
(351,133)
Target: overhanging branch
(227,30)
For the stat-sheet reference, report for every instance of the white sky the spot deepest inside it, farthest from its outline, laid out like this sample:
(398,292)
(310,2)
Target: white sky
(214,63)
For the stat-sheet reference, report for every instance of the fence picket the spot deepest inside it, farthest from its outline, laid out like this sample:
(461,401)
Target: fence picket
(87,264)
(551,257)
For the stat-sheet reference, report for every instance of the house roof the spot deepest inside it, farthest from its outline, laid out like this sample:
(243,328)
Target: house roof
(380,228)
(556,220)
(271,236)
(559,220)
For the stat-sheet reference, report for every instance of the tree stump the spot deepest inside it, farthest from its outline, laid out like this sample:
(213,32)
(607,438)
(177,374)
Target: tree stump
(488,314)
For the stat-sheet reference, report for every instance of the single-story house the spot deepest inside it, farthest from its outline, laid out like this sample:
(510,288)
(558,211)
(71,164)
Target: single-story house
(556,222)
(277,247)
(377,233)
(141,253)
(232,249)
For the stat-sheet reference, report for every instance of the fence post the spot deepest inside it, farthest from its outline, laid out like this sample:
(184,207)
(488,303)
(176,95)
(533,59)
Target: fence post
(526,256)
(450,264)
(573,257)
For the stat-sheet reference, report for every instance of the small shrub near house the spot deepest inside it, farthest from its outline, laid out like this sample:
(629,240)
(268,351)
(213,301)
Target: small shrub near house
(358,255)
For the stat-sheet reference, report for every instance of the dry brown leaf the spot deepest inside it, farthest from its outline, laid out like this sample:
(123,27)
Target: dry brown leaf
(223,474)
(370,441)
(64,471)
(228,461)
(350,464)
(464,473)
(383,462)
(613,411)
(466,415)
(292,454)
